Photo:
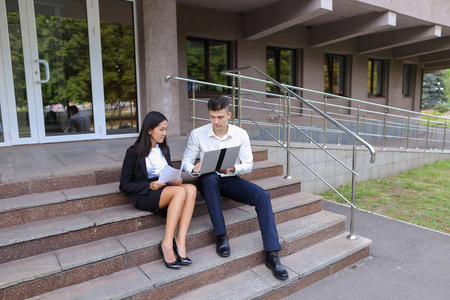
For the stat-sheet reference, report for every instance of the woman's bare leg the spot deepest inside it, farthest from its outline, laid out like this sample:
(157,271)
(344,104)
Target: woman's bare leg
(186,216)
(174,197)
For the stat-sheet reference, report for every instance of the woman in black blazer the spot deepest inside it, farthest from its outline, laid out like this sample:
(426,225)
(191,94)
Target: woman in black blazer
(139,181)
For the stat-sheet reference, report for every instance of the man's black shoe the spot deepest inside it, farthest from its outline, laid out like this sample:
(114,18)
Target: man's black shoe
(223,247)
(274,263)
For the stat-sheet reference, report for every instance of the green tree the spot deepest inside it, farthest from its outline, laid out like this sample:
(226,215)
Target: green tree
(433,90)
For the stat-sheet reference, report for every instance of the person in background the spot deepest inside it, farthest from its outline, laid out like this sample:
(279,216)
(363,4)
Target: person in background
(141,167)
(77,121)
(217,135)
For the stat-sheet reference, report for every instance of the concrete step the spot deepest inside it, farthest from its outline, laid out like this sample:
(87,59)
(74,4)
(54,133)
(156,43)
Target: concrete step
(75,264)
(305,268)
(246,251)
(24,183)
(38,237)
(47,205)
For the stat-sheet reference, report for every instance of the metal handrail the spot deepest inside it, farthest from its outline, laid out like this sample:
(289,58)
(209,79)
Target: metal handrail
(386,107)
(306,102)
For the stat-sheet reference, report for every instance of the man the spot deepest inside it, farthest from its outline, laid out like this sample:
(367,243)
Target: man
(216,135)
(77,121)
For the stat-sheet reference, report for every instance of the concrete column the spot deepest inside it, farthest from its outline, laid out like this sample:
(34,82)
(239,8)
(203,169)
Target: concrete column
(161,59)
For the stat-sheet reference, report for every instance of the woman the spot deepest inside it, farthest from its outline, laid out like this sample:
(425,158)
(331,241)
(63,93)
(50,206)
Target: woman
(139,181)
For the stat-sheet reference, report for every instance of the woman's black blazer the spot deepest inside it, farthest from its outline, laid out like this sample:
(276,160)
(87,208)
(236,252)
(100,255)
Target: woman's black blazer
(134,180)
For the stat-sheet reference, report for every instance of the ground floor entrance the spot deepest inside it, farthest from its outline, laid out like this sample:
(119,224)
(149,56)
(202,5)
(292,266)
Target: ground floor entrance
(67,70)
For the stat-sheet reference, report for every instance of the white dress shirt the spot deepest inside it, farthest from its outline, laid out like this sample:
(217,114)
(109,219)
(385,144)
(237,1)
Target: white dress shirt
(155,162)
(204,139)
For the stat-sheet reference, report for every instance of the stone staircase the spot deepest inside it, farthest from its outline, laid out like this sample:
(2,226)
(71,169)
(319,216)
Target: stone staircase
(76,237)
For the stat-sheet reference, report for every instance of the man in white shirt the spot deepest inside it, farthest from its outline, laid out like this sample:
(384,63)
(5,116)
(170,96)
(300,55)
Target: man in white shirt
(216,135)
(77,121)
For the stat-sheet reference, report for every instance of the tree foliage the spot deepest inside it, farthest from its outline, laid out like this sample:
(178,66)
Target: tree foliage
(434,86)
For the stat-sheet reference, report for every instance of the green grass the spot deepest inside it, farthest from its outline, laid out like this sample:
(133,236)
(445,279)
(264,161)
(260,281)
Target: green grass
(420,196)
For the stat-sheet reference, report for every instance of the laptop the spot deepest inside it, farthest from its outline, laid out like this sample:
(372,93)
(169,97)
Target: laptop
(219,159)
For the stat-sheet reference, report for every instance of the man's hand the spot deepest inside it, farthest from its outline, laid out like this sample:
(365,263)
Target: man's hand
(196,168)
(226,171)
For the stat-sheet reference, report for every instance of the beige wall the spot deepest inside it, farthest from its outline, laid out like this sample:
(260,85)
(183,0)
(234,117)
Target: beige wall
(212,24)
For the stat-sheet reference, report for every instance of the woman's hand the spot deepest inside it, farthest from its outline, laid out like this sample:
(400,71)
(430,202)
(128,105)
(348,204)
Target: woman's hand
(179,182)
(155,185)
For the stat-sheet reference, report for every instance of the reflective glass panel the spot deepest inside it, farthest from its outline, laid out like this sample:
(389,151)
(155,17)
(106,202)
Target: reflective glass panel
(119,66)
(62,37)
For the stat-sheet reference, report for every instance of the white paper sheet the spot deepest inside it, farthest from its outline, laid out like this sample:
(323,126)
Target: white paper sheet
(170,175)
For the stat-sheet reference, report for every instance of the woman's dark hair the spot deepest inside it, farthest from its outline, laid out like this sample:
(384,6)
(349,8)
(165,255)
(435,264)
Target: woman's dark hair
(143,145)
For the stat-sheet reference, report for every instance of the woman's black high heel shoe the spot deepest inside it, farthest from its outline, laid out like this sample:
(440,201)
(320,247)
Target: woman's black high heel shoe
(180,260)
(170,265)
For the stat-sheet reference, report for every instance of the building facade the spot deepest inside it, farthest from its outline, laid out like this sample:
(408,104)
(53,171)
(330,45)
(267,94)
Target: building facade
(110,57)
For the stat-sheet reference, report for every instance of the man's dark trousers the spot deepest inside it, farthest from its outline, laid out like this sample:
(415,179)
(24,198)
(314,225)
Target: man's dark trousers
(212,186)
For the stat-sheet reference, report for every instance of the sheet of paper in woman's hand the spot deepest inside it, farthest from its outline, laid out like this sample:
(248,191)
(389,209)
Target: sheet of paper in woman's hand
(170,175)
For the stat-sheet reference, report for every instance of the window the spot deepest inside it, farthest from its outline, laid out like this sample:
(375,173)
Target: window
(334,68)
(205,60)
(280,65)
(406,80)
(376,77)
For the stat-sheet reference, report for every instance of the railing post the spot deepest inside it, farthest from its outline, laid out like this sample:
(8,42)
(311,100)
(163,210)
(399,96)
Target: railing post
(352,235)
(240,98)
(339,132)
(364,125)
(445,131)
(401,134)
(407,133)
(325,124)
(193,105)
(234,100)
(384,130)
(288,157)
(279,119)
(285,117)
(312,114)
(428,131)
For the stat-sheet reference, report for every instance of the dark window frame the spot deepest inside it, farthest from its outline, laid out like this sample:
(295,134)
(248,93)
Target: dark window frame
(278,67)
(329,60)
(372,83)
(207,92)
(407,77)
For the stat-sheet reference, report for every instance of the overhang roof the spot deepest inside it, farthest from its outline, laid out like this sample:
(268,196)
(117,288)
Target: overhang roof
(419,33)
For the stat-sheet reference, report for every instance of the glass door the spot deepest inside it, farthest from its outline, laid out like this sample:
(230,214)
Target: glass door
(70,70)
(66,104)
(50,55)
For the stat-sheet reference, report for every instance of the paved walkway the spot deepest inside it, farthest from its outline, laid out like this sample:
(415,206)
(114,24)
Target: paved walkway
(407,262)
(43,160)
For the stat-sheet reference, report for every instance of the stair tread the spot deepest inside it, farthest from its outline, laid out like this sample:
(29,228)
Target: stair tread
(59,196)
(84,254)
(49,227)
(154,274)
(299,265)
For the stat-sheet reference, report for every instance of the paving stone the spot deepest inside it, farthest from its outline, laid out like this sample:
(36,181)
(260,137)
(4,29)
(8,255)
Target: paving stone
(318,256)
(142,238)
(119,285)
(290,231)
(117,213)
(92,191)
(32,200)
(245,285)
(89,253)
(27,269)
(45,228)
